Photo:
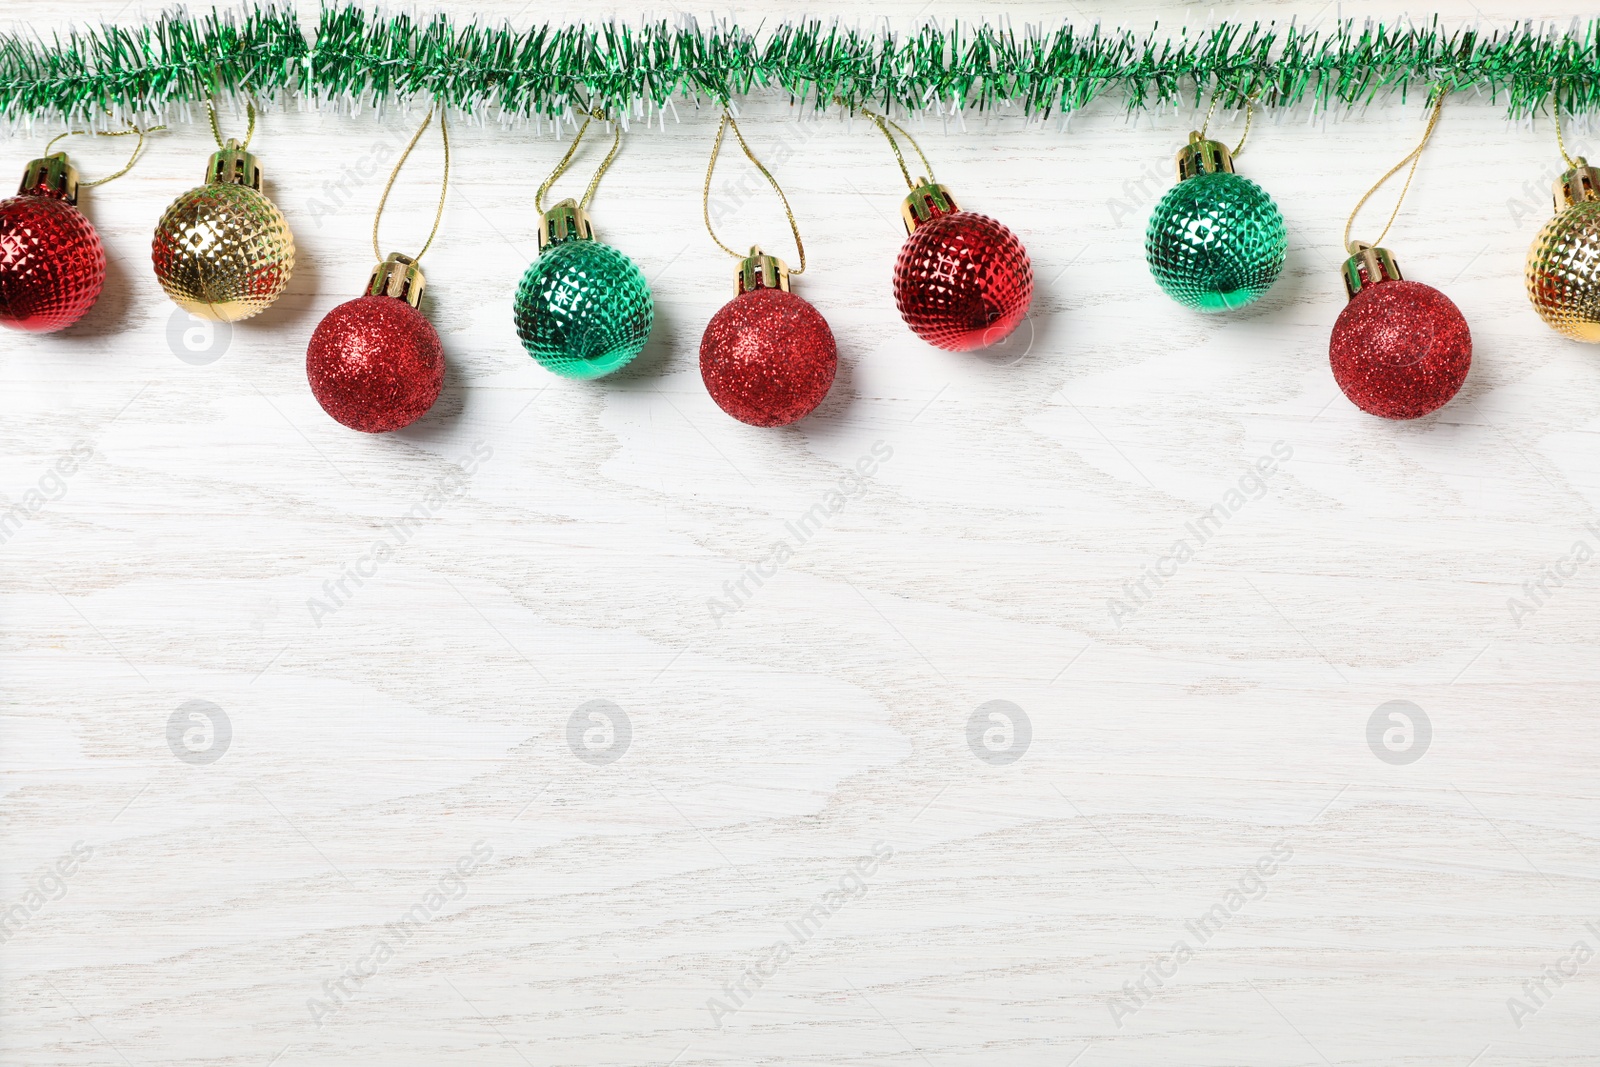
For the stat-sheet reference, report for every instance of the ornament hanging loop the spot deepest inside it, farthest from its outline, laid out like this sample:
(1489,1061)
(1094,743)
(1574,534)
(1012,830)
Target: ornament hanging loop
(1580,182)
(216,130)
(928,199)
(1249,113)
(1413,157)
(569,219)
(444,186)
(572,150)
(1555,109)
(705,193)
(138,150)
(883,123)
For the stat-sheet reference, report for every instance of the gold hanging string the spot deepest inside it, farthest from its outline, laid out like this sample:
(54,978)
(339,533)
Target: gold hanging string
(883,123)
(705,193)
(138,149)
(444,186)
(1555,108)
(249,109)
(1413,157)
(566,161)
(1249,113)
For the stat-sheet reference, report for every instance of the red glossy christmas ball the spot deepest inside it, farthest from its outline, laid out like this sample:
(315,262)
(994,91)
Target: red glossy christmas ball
(375,364)
(768,357)
(1400,349)
(963,281)
(52,265)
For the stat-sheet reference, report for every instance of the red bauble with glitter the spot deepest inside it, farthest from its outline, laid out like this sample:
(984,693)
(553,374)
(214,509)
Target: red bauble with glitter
(963,281)
(375,363)
(768,357)
(52,265)
(1399,349)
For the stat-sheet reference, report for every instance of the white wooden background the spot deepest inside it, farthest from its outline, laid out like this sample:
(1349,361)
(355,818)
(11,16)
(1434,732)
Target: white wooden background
(242,910)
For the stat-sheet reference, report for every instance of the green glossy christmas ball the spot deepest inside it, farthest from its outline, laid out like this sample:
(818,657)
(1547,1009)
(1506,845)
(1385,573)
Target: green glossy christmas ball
(1216,242)
(583,309)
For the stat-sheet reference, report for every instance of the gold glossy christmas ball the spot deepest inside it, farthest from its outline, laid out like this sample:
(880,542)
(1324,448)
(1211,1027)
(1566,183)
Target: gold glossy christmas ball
(223,251)
(1563,270)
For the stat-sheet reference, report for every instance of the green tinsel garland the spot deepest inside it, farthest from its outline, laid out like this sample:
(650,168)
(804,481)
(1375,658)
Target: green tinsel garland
(139,73)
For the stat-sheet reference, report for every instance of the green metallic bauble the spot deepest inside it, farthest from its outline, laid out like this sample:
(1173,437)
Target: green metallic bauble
(1563,267)
(583,309)
(1216,241)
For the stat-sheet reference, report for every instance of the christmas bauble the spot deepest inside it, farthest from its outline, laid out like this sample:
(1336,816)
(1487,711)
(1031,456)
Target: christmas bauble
(1563,268)
(375,363)
(52,265)
(1399,349)
(583,309)
(223,251)
(962,281)
(767,357)
(1216,241)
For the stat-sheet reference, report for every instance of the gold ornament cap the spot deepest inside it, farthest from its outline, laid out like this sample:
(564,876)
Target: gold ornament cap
(1201,156)
(1369,266)
(399,277)
(1580,183)
(51,176)
(234,166)
(565,222)
(927,201)
(760,271)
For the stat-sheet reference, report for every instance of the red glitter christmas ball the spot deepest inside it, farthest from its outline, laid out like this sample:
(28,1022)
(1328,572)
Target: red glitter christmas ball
(963,281)
(1400,349)
(52,265)
(375,364)
(768,357)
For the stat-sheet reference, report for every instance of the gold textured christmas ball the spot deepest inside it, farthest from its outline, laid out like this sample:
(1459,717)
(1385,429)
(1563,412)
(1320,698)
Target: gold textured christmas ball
(223,251)
(1563,270)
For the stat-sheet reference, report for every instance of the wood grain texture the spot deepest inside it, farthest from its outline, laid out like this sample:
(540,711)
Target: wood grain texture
(400,831)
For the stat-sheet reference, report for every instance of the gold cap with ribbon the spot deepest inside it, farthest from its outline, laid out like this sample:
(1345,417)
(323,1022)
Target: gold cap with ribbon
(1369,266)
(761,271)
(927,200)
(565,222)
(1202,156)
(234,166)
(397,276)
(1580,183)
(51,176)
